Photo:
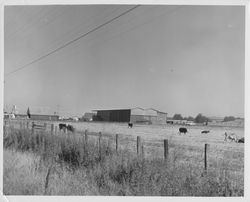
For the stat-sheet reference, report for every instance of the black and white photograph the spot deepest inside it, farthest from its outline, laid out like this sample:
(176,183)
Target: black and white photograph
(124,99)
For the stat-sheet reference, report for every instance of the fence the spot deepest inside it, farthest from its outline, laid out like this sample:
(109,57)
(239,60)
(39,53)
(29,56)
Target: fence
(140,147)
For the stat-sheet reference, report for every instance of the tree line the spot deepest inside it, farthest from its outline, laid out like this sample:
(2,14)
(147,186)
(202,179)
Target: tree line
(200,118)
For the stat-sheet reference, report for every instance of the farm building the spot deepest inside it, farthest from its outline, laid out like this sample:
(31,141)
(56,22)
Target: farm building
(39,117)
(134,115)
(44,117)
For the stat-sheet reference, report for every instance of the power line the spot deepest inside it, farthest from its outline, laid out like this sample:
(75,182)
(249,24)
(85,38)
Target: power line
(74,32)
(72,41)
(142,24)
(131,29)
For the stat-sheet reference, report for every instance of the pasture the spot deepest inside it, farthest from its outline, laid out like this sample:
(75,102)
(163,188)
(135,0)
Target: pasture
(186,152)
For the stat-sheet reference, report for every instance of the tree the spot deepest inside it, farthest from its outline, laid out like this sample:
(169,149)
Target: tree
(177,117)
(229,118)
(201,119)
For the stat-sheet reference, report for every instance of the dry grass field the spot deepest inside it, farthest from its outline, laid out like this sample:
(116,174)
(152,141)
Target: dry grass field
(186,157)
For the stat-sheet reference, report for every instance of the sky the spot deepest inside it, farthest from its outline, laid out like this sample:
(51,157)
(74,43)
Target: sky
(177,59)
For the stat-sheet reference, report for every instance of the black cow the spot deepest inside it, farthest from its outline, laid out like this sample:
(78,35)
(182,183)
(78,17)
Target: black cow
(70,128)
(205,131)
(130,125)
(241,140)
(170,122)
(62,126)
(183,130)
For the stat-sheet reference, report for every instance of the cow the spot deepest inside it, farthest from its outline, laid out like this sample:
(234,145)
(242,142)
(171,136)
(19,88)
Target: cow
(130,125)
(231,137)
(241,140)
(70,128)
(183,130)
(205,131)
(62,126)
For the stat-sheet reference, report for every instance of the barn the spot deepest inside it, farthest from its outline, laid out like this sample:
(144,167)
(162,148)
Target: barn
(44,117)
(134,115)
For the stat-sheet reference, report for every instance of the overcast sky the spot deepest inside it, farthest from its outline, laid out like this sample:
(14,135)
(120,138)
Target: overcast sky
(177,59)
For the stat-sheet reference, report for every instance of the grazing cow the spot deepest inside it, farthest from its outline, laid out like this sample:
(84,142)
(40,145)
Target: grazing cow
(62,126)
(130,125)
(70,128)
(183,130)
(205,131)
(231,137)
(241,140)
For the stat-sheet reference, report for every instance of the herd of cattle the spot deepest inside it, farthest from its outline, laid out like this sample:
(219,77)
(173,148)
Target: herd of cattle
(228,136)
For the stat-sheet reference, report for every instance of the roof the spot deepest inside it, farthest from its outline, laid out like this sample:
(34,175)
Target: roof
(139,108)
(158,111)
(109,110)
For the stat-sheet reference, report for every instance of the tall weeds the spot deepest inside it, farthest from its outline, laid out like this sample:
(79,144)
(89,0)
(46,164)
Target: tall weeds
(121,173)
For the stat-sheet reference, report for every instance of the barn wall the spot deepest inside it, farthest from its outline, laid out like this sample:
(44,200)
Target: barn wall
(103,115)
(148,116)
(114,115)
(143,119)
(161,118)
(135,115)
(44,117)
(137,111)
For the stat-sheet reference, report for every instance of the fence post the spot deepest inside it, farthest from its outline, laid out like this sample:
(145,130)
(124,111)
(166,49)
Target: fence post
(33,124)
(20,124)
(86,137)
(55,130)
(86,143)
(205,157)
(138,144)
(116,142)
(4,127)
(142,150)
(52,129)
(99,140)
(165,149)
(45,126)
(27,125)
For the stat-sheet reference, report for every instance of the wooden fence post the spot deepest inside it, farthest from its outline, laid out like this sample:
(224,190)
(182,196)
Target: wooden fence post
(165,149)
(27,125)
(33,124)
(52,129)
(116,142)
(138,144)
(99,141)
(86,142)
(45,126)
(55,130)
(142,150)
(20,124)
(205,157)
(4,127)
(86,137)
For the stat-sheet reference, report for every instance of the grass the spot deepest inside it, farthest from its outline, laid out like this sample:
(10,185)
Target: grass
(66,165)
